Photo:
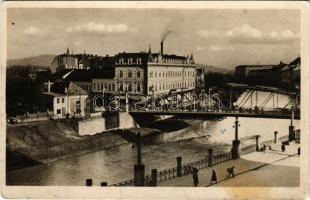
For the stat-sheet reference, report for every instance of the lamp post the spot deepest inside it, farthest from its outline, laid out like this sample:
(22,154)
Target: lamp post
(209,102)
(236,141)
(139,168)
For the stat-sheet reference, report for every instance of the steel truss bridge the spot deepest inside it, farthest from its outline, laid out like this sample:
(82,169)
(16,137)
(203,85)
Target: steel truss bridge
(202,104)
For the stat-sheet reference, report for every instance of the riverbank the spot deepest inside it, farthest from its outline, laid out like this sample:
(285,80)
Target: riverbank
(35,143)
(46,141)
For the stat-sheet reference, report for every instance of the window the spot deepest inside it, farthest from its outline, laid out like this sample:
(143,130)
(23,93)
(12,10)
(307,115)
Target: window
(130,61)
(57,100)
(138,74)
(138,87)
(63,100)
(121,87)
(121,61)
(58,111)
(129,74)
(129,87)
(121,74)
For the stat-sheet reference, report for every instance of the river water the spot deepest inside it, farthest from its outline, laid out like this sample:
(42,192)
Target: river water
(116,164)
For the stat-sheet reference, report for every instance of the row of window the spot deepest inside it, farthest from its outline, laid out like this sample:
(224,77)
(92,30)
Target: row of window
(173,61)
(129,87)
(86,87)
(129,61)
(106,86)
(129,74)
(168,86)
(62,100)
(171,74)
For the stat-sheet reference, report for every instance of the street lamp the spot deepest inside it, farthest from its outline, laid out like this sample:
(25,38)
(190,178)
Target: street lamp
(209,106)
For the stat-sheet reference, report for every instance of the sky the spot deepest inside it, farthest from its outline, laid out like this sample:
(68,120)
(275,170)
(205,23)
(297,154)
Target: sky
(219,37)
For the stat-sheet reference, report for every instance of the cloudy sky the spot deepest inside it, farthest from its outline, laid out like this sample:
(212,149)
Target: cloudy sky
(223,38)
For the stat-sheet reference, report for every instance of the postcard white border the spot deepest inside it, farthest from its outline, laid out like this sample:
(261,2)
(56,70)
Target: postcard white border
(168,192)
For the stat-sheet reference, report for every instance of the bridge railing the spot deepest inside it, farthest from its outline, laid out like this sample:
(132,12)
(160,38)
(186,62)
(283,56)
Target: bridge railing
(248,149)
(186,169)
(283,138)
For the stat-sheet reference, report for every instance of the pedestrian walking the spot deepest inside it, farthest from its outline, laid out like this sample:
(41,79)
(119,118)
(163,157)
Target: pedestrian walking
(264,148)
(231,172)
(269,147)
(213,177)
(283,147)
(298,151)
(195,176)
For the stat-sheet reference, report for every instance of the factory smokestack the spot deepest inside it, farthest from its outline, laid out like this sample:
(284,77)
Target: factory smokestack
(163,38)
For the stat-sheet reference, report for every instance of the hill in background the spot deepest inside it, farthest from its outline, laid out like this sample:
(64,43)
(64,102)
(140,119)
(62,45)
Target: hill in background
(46,60)
(42,60)
(210,68)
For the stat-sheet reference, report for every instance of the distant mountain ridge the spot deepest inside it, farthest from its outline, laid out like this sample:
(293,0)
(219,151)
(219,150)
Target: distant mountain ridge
(210,68)
(41,60)
(46,60)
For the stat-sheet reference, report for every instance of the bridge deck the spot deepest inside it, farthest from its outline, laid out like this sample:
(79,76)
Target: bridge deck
(201,114)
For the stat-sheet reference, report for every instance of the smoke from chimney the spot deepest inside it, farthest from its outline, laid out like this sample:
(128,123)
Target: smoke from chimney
(163,38)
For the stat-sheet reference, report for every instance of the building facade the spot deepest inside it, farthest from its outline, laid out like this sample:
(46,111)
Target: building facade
(66,99)
(143,73)
(148,73)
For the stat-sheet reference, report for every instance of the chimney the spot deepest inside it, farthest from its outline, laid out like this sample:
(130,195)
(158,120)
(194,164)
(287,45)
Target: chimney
(49,86)
(162,48)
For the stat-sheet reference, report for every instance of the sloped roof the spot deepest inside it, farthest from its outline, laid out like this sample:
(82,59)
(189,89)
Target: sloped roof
(60,74)
(68,88)
(87,75)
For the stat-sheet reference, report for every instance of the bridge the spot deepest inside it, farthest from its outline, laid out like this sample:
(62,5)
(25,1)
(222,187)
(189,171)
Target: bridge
(193,104)
(216,114)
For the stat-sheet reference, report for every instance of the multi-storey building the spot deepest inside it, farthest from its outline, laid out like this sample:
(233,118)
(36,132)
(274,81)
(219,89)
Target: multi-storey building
(148,73)
(64,61)
(143,73)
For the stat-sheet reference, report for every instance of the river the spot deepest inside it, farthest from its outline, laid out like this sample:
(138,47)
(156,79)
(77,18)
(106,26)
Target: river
(116,164)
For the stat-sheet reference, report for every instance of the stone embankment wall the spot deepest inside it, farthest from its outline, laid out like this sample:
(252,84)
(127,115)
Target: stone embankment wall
(114,121)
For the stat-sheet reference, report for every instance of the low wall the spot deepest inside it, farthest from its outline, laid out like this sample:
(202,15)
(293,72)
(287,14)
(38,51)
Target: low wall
(126,121)
(91,127)
(121,120)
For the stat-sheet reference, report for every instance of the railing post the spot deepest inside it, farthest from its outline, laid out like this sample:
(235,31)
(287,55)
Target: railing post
(210,157)
(179,166)
(275,137)
(89,182)
(103,184)
(256,139)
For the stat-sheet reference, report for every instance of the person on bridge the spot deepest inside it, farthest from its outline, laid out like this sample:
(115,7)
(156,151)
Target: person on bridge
(264,148)
(283,147)
(213,177)
(195,176)
(231,172)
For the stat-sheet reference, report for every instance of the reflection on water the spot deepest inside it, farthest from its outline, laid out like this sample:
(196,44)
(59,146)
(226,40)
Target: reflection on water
(116,164)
